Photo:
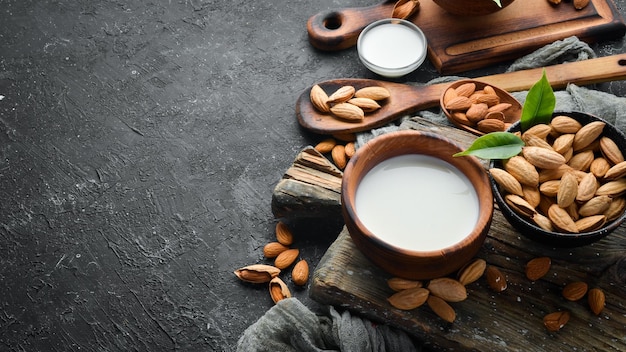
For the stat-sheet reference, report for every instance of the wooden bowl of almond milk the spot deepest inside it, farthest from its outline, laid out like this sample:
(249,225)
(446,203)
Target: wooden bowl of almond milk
(412,208)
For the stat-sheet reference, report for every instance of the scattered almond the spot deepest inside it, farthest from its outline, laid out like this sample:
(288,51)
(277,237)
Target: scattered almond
(284,235)
(574,290)
(495,279)
(556,321)
(596,300)
(326,145)
(273,249)
(447,289)
(441,308)
(537,268)
(399,284)
(409,299)
(300,273)
(472,272)
(286,258)
(339,156)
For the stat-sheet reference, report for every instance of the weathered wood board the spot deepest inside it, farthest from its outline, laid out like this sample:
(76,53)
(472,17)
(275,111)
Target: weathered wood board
(489,321)
(457,43)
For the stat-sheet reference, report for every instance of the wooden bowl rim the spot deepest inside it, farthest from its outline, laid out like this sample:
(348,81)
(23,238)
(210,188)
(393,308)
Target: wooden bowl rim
(483,190)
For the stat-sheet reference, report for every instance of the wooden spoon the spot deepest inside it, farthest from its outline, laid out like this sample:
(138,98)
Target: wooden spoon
(406,99)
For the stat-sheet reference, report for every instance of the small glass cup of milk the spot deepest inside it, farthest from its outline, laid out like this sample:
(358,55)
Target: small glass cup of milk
(392,47)
(414,209)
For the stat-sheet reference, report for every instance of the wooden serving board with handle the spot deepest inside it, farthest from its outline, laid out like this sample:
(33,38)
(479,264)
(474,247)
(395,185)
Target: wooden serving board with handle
(406,99)
(457,44)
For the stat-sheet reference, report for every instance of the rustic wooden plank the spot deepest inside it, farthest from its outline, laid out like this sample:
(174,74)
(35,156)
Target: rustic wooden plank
(311,187)
(511,320)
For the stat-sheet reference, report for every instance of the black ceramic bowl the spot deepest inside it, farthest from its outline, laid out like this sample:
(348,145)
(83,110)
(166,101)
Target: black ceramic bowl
(559,239)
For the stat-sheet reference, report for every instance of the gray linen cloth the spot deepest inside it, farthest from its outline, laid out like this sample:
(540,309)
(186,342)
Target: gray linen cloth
(291,326)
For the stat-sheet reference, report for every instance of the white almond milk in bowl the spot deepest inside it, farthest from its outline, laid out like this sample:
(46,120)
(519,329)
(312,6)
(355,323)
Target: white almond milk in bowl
(412,208)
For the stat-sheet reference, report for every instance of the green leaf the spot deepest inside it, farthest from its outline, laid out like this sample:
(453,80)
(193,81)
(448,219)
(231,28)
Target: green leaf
(494,145)
(539,104)
(498,3)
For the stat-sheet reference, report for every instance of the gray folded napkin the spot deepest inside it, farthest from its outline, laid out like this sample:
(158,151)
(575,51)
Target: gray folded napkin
(291,326)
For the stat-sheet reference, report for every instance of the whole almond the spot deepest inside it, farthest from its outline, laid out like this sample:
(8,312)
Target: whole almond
(616,171)
(610,150)
(341,95)
(612,188)
(550,188)
(300,273)
(283,234)
(587,187)
(273,249)
(565,124)
(488,99)
(563,142)
(441,308)
(543,222)
(599,166)
(533,141)
(495,279)
(447,289)
(349,149)
(581,160)
(399,284)
(596,205)
(476,112)
(596,300)
(348,112)
(326,145)
(587,134)
(556,321)
(409,299)
(286,258)
(257,273)
(448,95)
(616,208)
(459,103)
(373,92)
(540,130)
(574,290)
(501,107)
(366,104)
(537,268)
(319,99)
(339,156)
(543,158)
(505,180)
(466,89)
(472,272)
(531,195)
(520,205)
(568,190)
(522,170)
(590,223)
(561,219)
(553,174)
(490,125)
(278,290)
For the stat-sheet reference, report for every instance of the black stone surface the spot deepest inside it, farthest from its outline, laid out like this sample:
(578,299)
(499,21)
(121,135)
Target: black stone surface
(140,142)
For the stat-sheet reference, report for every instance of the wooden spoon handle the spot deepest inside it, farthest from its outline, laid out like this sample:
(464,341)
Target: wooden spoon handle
(602,69)
(340,29)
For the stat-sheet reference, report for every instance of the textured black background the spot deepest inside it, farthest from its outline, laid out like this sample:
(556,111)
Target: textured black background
(140,142)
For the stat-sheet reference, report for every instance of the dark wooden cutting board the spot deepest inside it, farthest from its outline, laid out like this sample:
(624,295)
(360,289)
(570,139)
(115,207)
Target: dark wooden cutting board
(457,44)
